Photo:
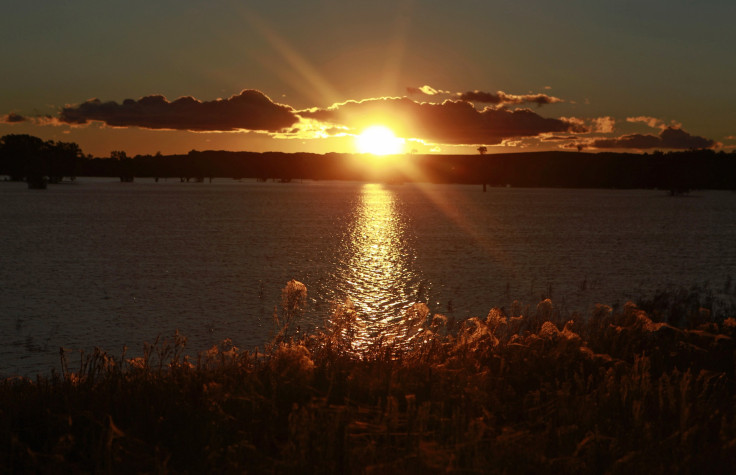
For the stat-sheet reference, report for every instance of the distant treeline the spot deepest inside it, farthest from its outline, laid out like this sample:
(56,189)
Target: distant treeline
(22,156)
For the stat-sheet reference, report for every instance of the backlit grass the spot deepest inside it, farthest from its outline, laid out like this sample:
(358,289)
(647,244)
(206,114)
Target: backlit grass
(526,392)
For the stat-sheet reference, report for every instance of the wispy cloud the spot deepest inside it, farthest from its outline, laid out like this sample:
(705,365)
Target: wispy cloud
(499,98)
(249,110)
(669,138)
(653,122)
(427,90)
(503,98)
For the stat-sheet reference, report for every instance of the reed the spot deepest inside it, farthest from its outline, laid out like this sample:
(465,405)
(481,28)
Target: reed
(541,391)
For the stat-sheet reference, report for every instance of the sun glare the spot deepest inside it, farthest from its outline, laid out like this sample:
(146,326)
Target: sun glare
(379,140)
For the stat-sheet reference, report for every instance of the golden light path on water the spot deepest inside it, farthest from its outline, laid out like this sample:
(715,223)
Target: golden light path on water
(378,275)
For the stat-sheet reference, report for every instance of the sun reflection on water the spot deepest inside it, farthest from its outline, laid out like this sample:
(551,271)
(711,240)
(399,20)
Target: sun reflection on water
(378,274)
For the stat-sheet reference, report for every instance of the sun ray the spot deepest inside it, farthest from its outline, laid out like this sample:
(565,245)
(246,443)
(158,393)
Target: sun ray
(302,75)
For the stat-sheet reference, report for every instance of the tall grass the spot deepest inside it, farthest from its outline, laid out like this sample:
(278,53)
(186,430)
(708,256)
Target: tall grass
(538,391)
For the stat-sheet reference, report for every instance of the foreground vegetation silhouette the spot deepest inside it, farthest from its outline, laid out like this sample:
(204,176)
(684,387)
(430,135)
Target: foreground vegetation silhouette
(528,391)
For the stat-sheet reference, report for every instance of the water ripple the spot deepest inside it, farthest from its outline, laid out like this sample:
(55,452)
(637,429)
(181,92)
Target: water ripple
(377,274)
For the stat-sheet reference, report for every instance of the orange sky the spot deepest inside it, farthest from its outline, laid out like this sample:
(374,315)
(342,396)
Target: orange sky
(177,76)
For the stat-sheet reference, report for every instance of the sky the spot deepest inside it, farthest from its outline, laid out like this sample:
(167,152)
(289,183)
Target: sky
(446,77)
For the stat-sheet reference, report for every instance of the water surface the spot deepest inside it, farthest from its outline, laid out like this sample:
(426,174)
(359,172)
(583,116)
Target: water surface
(102,263)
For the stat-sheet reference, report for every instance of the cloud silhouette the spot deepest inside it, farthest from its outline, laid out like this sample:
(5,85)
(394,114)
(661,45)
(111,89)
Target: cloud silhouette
(458,120)
(669,138)
(503,98)
(497,98)
(249,110)
(449,122)
(13,118)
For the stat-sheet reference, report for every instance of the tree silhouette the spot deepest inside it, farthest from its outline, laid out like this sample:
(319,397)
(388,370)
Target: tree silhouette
(124,165)
(20,155)
(118,155)
(23,156)
(62,160)
(482,149)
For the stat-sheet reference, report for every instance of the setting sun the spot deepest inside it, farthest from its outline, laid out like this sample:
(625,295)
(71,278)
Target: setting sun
(379,140)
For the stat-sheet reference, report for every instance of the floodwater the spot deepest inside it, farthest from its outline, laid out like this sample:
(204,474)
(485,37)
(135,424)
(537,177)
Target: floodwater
(99,263)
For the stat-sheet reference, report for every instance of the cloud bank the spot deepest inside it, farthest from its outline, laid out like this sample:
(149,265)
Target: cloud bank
(449,122)
(446,118)
(249,110)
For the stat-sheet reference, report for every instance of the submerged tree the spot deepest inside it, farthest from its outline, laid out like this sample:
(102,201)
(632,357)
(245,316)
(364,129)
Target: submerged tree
(19,154)
(63,158)
(23,156)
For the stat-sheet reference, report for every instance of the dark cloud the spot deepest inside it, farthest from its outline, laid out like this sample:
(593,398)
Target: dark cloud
(669,138)
(14,118)
(502,98)
(678,138)
(451,122)
(250,110)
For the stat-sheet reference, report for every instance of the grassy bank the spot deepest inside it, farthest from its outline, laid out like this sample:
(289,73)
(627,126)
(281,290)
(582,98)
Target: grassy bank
(622,391)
